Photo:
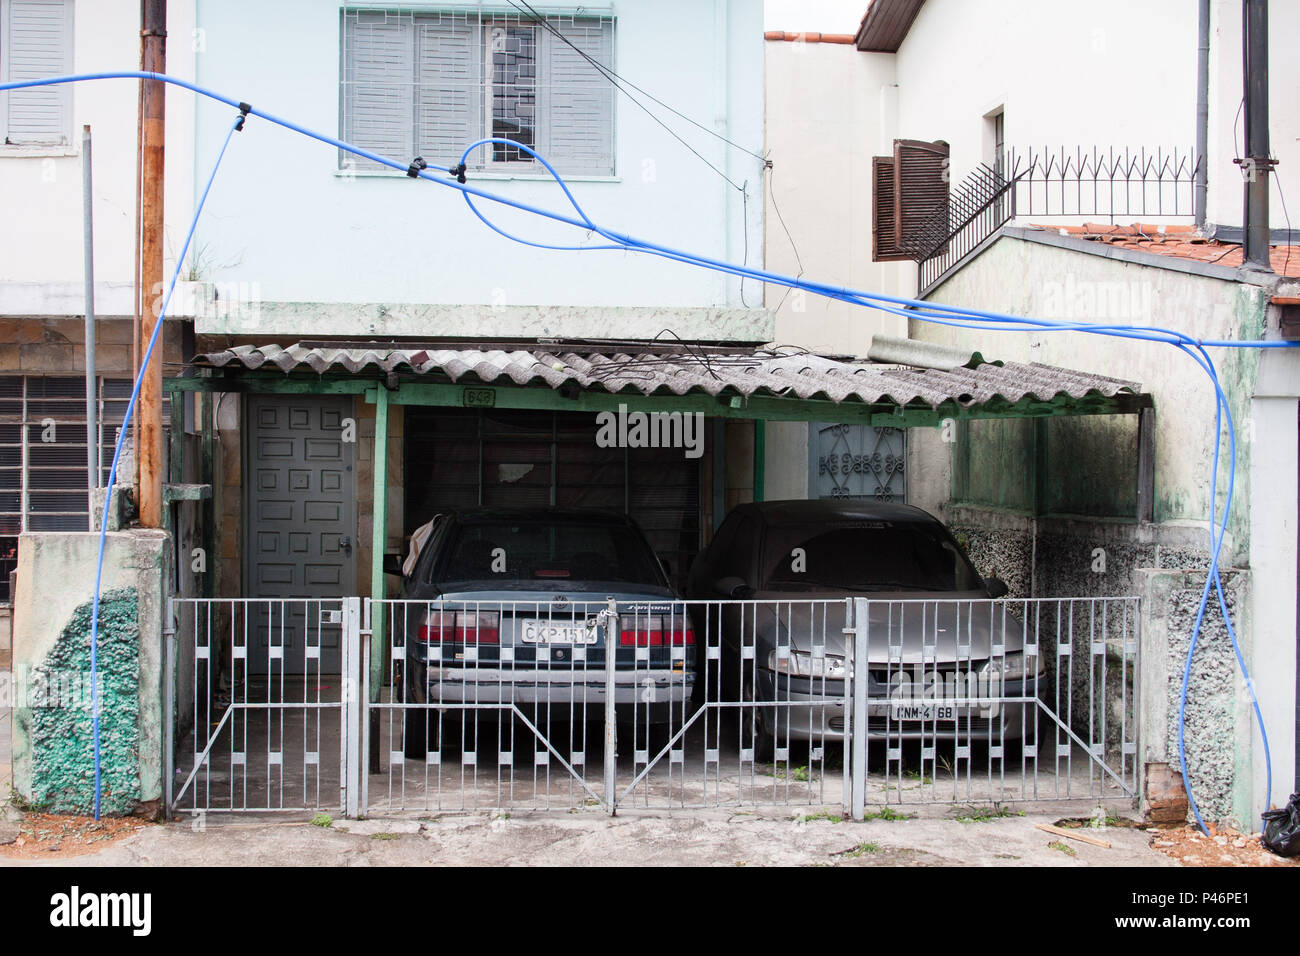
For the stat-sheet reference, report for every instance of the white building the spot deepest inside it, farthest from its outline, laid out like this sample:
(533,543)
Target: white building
(1063,91)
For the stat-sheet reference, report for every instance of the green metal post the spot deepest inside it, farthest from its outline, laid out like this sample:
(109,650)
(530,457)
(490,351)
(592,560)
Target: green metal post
(378,541)
(207,475)
(760,457)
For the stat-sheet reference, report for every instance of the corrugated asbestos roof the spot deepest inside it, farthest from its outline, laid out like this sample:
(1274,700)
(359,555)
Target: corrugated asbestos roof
(797,375)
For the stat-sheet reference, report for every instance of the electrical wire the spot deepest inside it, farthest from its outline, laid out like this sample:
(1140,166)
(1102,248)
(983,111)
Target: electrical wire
(909,308)
(117,456)
(615,79)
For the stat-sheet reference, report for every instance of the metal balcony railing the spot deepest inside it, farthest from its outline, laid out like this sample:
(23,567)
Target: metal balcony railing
(1047,184)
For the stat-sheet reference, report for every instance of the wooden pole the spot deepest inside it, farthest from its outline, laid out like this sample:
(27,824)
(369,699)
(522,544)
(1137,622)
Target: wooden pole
(149,456)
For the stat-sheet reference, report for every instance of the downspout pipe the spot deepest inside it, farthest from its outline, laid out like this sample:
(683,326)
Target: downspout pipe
(1254,25)
(1202,111)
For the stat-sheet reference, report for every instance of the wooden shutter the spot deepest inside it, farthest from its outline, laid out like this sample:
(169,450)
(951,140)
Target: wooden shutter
(577,119)
(378,83)
(920,187)
(448,91)
(36,42)
(884,242)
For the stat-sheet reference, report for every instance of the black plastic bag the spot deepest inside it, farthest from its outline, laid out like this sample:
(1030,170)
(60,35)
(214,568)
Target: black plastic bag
(1282,828)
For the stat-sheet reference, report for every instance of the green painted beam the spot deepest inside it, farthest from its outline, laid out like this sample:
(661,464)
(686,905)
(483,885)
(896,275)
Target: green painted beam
(274,385)
(378,542)
(760,458)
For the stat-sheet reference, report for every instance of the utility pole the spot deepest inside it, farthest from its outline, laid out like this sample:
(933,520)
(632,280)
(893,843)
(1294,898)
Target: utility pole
(1257,164)
(149,456)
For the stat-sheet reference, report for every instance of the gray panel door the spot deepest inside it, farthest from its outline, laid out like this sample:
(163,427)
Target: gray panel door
(300,521)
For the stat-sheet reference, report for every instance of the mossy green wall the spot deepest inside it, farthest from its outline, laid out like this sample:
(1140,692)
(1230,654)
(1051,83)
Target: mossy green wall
(63,777)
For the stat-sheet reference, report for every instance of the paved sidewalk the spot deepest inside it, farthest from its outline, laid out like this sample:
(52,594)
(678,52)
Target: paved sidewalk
(589,838)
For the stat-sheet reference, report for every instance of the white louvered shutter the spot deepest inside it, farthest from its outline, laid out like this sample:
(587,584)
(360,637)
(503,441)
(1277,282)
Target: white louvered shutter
(379,77)
(36,42)
(448,97)
(577,133)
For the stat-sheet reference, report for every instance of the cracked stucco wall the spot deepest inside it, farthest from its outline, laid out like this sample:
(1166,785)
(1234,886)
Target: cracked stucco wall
(53,756)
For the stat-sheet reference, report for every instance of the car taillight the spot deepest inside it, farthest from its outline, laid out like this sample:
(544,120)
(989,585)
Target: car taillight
(461,627)
(651,632)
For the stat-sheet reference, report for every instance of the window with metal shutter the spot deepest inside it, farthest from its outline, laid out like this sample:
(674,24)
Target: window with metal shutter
(920,185)
(448,107)
(908,189)
(378,61)
(36,42)
(579,99)
(884,245)
(431,84)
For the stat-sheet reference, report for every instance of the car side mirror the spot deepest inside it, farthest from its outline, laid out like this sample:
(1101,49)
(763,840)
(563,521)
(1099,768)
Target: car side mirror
(996,587)
(393,564)
(733,587)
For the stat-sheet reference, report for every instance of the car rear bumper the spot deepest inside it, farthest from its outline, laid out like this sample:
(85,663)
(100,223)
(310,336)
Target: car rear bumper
(653,695)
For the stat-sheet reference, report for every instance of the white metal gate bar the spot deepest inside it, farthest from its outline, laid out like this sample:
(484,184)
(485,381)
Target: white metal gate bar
(499,705)
(267,684)
(1003,713)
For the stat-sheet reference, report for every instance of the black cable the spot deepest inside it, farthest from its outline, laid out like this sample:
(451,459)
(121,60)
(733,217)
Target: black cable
(771,191)
(614,79)
(1287,261)
(611,73)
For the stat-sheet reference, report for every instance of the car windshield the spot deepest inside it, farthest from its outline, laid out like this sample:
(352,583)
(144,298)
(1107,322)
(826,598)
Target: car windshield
(566,554)
(866,555)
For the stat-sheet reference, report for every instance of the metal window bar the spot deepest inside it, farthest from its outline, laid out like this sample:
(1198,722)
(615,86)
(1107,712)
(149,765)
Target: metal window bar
(422,81)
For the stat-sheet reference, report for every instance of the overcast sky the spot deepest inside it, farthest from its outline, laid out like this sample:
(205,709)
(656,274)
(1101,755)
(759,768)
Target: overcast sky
(820,16)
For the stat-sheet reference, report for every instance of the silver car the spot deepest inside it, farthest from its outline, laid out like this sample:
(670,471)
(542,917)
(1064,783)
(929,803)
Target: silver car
(944,661)
(499,614)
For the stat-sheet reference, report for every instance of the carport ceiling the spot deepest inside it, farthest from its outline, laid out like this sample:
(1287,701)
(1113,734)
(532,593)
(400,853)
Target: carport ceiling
(776,385)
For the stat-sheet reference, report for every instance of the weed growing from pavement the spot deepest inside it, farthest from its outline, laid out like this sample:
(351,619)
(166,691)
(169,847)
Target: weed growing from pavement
(860,850)
(821,815)
(887,813)
(783,771)
(985,814)
(383,836)
(1064,848)
(322,820)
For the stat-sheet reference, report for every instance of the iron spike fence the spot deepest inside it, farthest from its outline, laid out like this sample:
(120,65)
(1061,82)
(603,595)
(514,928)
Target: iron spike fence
(513,705)
(1110,186)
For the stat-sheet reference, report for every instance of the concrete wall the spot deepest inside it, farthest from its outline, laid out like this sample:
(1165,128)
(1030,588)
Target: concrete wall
(830,109)
(52,741)
(284,220)
(1109,73)
(1227,130)
(1068,285)
(41,250)
(1274,531)
(1218,720)
(1054,556)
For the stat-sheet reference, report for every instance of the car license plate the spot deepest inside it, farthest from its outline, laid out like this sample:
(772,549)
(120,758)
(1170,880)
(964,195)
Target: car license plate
(534,631)
(924,712)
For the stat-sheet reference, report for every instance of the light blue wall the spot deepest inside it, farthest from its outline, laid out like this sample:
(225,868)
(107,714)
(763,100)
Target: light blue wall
(281,217)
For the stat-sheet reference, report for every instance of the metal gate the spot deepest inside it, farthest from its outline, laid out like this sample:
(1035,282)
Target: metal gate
(516,705)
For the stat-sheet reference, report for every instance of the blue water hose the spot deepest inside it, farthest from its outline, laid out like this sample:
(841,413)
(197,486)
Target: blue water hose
(904,307)
(117,455)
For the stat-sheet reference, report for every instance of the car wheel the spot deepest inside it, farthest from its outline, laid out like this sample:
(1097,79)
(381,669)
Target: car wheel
(753,725)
